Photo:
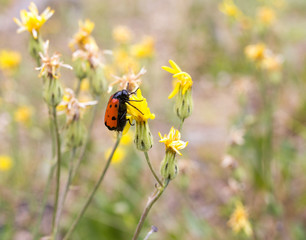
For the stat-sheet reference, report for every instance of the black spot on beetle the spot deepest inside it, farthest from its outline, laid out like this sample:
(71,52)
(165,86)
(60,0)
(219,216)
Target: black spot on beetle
(113,118)
(110,106)
(115,105)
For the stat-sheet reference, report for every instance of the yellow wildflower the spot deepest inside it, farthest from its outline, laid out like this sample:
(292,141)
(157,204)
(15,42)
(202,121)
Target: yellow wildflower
(83,36)
(23,114)
(266,15)
(229,8)
(130,81)
(50,65)
(272,62)
(122,34)
(72,107)
(31,21)
(144,49)
(124,62)
(6,163)
(182,80)
(140,110)
(255,52)
(239,220)
(118,156)
(173,140)
(126,139)
(84,85)
(9,60)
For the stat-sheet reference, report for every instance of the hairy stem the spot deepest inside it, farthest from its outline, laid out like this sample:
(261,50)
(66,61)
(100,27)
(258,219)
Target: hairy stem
(91,195)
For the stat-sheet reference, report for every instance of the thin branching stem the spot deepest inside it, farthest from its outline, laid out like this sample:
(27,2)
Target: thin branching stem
(156,195)
(44,202)
(64,194)
(91,195)
(58,169)
(152,170)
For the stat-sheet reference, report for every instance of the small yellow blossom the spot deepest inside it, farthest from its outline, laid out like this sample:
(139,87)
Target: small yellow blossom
(272,62)
(6,163)
(130,81)
(124,62)
(83,36)
(182,80)
(31,21)
(173,140)
(118,156)
(144,49)
(9,60)
(239,220)
(50,65)
(72,107)
(126,139)
(84,85)
(255,52)
(266,15)
(122,34)
(139,110)
(229,8)
(23,114)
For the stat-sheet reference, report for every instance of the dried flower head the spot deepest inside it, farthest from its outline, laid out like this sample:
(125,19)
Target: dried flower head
(173,140)
(130,81)
(31,21)
(90,53)
(50,65)
(72,107)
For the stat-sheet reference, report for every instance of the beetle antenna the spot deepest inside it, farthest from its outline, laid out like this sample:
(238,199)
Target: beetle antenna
(135,108)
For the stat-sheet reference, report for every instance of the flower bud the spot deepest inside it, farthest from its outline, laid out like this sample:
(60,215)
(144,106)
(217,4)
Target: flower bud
(169,168)
(75,134)
(52,92)
(81,68)
(143,137)
(98,81)
(183,104)
(35,47)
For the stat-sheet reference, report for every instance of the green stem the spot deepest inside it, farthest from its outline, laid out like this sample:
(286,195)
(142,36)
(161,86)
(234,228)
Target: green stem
(91,195)
(152,170)
(64,195)
(44,202)
(83,149)
(58,169)
(181,125)
(149,205)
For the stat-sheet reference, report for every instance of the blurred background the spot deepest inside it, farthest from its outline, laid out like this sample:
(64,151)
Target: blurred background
(244,167)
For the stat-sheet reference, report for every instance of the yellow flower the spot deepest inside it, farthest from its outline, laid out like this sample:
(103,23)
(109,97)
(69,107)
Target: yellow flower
(266,15)
(182,80)
(239,220)
(122,34)
(255,52)
(173,140)
(272,62)
(144,49)
(31,21)
(72,107)
(6,163)
(83,36)
(50,65)
(126,139)
(84,85)
(130,81)
(139,111)
(118,156)
(9,60)
(229,8)
(124,62)
(23,114)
